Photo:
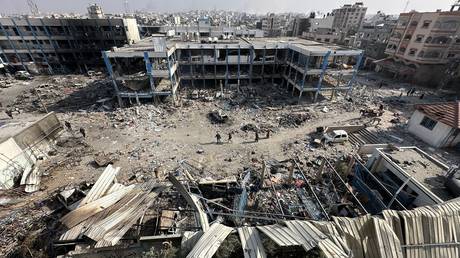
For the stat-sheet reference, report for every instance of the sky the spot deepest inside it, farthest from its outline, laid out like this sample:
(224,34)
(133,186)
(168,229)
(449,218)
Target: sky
(250,6)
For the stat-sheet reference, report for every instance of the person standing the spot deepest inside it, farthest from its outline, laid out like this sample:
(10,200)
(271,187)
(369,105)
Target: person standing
(257,137)
(218,138)
(230,137)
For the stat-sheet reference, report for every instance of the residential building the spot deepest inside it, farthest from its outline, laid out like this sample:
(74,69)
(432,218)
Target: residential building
(303,66)
(423,44)
(437,124)
(348,18)
(322,30)
(299,26)
(55,45)
(271,25)
(373,36)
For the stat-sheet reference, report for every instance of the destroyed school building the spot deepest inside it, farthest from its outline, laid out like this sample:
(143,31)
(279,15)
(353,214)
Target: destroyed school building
(62,45)
(159,66)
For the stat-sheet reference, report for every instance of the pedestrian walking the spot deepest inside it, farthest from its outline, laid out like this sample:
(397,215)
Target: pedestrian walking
(83,132)
(68,125)
(257,136)
(268,134)
(230,137)
(218,138)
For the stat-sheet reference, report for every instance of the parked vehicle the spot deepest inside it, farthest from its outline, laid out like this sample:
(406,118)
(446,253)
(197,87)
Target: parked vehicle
(23,75)
(335,136)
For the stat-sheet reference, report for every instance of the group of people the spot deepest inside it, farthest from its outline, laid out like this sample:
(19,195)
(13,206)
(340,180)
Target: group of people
(230,137)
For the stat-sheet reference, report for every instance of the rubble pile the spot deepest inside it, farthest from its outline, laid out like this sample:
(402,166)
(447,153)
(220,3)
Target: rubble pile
(293,119)
(6,82)
(68,93)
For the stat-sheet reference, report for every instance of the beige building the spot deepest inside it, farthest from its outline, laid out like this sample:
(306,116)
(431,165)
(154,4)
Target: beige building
(349,17)
(422,45)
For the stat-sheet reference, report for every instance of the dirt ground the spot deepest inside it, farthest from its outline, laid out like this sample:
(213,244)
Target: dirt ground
(148,137)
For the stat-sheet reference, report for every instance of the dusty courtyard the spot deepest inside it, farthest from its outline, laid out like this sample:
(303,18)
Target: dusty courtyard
(153,139)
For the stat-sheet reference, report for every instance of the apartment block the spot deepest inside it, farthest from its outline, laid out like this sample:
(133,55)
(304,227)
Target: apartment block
(373,36)
(271,25)
(423,45)
(146,70)
(349,17)
(56,45)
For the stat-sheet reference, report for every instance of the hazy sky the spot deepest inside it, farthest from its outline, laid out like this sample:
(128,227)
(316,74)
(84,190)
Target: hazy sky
(252,6)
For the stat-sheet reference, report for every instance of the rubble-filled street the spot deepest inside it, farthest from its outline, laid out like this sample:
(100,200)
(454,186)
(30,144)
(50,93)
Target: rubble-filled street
(253,156)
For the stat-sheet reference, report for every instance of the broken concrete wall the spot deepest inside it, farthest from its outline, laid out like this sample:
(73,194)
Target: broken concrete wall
(19,153)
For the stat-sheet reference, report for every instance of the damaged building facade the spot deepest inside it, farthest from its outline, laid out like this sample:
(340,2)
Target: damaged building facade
(423,46)
(158,66)
(58,45)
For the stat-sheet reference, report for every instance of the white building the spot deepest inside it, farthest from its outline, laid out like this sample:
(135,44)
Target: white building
(437,124)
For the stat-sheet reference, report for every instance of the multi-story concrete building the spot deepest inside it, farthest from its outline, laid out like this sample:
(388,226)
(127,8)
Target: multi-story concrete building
(147,71)
(322,30)
(271,25)
(349,17)
(54,45)
(422,45)
(373,36)
(299,26)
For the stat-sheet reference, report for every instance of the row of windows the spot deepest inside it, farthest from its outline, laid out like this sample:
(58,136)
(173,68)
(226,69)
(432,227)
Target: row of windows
(441,25)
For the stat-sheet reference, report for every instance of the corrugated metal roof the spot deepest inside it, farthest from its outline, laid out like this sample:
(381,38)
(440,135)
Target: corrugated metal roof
(309,235)
(103,183)
(80,214)
(251,243)
(118,216)
(447,112)
(210,241)
(282,236)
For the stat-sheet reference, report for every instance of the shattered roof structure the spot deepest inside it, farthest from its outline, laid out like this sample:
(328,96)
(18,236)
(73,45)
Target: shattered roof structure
(447,113)
(423,232)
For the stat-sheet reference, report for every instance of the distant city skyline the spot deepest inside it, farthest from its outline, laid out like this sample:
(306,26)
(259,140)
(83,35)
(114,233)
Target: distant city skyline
(249,6)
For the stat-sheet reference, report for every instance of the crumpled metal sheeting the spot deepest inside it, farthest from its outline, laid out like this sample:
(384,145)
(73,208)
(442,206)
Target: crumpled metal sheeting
(251,243)
(114,235)
(282,236)
(77,230)
(104,182)
(82,213)
(210,241)
(309,235)
(121,212)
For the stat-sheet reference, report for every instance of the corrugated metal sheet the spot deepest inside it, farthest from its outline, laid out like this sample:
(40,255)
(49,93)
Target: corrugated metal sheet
(251,243)
(309,235)
(80,214)
(122,214)
(282,236)
(114,235)
(210,241)
(103,183)
(77,230)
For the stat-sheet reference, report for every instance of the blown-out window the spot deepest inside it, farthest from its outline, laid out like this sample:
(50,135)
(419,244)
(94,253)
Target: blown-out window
(428,123)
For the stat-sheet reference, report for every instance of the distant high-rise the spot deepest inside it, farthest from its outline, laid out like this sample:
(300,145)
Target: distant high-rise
(349,17)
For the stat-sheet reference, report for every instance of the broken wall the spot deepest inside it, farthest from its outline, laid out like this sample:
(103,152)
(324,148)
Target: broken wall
(19,153)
